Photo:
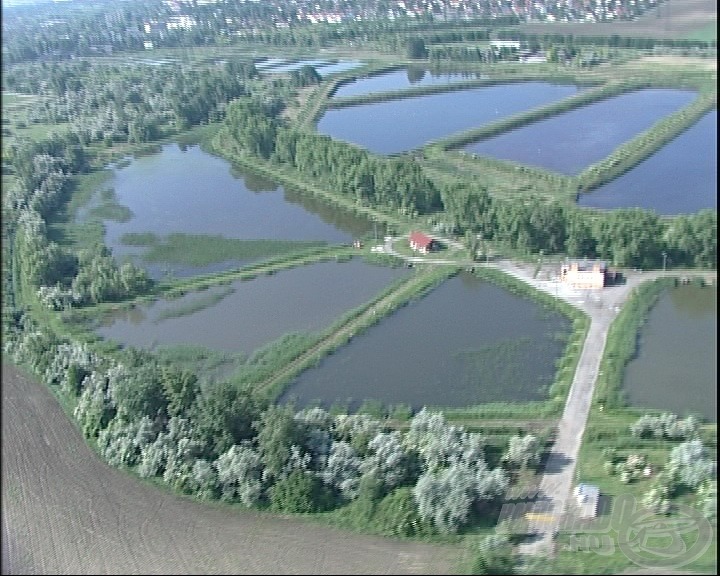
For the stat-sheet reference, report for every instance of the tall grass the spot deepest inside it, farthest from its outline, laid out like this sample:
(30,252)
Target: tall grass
(204,249)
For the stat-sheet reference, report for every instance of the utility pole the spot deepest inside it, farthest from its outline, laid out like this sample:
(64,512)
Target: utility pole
(664,254)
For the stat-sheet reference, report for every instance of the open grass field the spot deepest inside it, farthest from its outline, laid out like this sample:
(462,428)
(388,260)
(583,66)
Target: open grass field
(677,19)
(64,511)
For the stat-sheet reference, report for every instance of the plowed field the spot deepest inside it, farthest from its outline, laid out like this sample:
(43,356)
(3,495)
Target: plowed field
(64,511)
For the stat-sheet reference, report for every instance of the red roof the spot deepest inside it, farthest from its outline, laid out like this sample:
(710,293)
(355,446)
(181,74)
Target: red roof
(420,240)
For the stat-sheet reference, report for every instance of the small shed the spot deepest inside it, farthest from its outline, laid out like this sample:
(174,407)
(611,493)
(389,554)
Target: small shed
(587,497)
(421,242)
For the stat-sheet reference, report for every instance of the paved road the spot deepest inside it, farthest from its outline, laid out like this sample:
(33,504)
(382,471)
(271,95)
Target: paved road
(555,489)
(554,493)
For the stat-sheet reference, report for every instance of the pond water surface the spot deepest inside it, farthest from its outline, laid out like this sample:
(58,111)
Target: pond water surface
(253,313)
(467,342)
(676,365)
(401,125)
(401,80)
(187,190)
(572,141)
(680,178)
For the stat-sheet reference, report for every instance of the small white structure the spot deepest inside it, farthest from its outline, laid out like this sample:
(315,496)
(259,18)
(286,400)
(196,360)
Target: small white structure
(586,497)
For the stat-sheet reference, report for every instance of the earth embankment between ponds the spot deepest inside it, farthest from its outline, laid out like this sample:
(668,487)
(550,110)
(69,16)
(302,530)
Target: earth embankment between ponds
(65,511)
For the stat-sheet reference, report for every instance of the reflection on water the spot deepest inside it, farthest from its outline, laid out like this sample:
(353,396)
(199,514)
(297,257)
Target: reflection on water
(400,125)
(572,141)
(193,192)
(680,178)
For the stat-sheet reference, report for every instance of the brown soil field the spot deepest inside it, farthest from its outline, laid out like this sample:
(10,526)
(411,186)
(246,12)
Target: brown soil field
(64,511)
(676,19)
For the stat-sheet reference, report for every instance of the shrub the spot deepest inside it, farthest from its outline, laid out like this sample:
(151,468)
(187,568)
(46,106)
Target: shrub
(302,492)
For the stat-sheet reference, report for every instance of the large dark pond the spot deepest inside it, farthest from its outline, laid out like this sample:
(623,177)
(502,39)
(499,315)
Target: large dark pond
(252,313)
(400,80)
(467,342)
(190,191)
(401,125)
(680,178)
(570,142)
(676,365)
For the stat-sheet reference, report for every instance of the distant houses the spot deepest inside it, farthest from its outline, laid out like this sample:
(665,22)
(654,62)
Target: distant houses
(422,243)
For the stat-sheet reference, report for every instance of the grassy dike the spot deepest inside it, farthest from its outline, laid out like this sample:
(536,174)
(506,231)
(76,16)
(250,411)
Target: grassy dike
(644,145)
(423,280)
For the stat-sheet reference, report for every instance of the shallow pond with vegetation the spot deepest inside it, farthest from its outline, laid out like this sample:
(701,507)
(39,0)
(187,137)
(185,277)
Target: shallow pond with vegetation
(187,191)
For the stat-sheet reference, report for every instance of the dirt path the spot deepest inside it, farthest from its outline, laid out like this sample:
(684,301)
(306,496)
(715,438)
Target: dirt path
(64,511)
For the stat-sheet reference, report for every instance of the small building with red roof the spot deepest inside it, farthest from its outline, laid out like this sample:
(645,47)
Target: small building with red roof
(422,242)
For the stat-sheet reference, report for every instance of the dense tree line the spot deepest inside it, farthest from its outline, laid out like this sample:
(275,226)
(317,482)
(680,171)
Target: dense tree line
(397,183)
(221,442)
(610,41)
(104,102)
(41,267)
(626,238)
(630,237)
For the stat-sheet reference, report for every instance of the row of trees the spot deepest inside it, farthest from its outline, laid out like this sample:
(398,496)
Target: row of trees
(222,442)
(625,238)
(611,41)
(397,183)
